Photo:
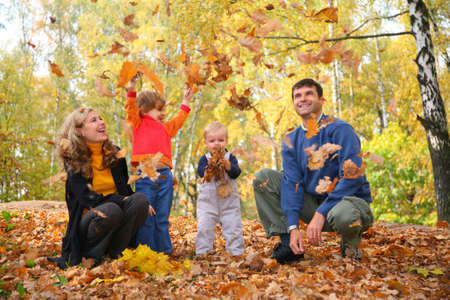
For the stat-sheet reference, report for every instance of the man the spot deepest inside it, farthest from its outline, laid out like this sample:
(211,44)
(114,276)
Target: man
(284,198)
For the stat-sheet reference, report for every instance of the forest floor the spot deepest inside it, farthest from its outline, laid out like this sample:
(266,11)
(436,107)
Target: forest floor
(399,262)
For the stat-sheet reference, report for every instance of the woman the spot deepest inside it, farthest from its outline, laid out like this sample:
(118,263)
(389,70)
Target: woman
(104,214)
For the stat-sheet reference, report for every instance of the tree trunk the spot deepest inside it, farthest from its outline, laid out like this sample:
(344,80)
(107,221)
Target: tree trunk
(383,114)
(435,119)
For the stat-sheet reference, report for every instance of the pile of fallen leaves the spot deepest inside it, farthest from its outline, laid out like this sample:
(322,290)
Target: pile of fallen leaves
(400,261)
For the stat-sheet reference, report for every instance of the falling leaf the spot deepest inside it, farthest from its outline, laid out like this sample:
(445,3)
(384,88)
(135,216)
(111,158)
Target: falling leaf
(251,43)
(101,89)
(31,45)
(264,184)
(160,41)
(317,158)
(126,73)
(61,176)
(270,26)
(260,120)
(152,77)
(264,141)
(133,178)
(282,4)
(55,69)
(327,15)
(351,170)
(277,122)
(155,11)
(306,58)
(52,20)
(128,36)
(259,17)
(115,48)
(257,58)
(133,3)
(323,185)
(312,128)
(287,142)
(149,166)
(269,7)
(129,21)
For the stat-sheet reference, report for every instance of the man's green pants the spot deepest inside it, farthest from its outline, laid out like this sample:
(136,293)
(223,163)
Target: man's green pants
(349,218)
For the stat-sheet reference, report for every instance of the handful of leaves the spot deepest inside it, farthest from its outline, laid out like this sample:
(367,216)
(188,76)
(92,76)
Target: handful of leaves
(216,170)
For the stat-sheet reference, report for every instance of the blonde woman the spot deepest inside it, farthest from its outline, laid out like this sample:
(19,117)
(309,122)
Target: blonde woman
(104,213)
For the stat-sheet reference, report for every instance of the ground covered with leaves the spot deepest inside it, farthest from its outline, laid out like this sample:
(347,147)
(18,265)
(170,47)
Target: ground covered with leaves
(400,261)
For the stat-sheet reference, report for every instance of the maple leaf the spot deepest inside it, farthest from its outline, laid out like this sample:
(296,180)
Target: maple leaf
(312,128)
(126,73)
(240,102)
(351,170)
(101,89)
(251,43)
(55,69)
(128,36)
(152,77)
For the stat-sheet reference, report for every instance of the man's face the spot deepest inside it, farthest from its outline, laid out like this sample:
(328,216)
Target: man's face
(307,103)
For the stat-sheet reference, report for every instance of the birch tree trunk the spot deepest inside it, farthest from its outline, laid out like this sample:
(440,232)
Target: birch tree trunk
(435,119)
(383,113)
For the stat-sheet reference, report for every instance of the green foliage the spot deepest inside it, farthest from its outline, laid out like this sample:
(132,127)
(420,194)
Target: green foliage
(426,272)
(59,280)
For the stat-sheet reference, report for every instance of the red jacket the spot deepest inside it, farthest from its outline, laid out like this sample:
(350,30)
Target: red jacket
(151,136)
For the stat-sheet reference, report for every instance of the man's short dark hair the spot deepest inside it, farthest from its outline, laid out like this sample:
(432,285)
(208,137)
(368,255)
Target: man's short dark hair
(308,82)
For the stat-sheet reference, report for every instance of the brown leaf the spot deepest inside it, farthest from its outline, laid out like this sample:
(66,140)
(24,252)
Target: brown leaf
(259,17)
(317,158)
(306,58)
(270,26)
(115,48)
(52,20)
(61,176)
(129,21)
(269,6)
(351,170)
(31,45)
(133,3)
(332,185)
(128,36)
(327,15)
(277,122)
(55,69)
(260,120)
(101,89)
(282,4)
(264,184)
(287,142)
(323,185)
(264,141)
(251,43)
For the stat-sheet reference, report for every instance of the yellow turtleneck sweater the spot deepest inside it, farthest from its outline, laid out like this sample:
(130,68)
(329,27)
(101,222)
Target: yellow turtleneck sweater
(102,180)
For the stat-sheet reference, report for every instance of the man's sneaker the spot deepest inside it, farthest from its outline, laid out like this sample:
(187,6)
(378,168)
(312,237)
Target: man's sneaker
(283,254)
(350,251)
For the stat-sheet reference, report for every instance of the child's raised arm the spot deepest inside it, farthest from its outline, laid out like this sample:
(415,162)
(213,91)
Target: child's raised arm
(187,96)
(133,116)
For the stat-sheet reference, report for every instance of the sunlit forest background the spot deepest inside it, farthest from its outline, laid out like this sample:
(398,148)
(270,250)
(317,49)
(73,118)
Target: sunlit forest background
(369,82)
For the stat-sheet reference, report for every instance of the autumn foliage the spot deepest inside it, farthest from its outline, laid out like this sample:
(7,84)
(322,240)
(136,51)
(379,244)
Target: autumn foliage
(400,261)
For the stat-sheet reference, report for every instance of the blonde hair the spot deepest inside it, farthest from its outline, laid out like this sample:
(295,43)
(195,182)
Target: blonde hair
(147,100)
(214,127)
(73,150)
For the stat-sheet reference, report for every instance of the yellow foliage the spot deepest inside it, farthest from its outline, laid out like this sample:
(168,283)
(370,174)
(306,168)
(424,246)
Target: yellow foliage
(149,261)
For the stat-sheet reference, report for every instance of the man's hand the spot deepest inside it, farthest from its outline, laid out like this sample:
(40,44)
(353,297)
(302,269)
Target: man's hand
(187,96)
(314,229)
(151,211)
(227,164)
(296,241)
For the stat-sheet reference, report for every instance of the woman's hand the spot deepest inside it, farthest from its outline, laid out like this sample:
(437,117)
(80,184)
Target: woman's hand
(151,211)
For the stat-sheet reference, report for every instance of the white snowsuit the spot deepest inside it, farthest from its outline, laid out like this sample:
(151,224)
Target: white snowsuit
(212,209)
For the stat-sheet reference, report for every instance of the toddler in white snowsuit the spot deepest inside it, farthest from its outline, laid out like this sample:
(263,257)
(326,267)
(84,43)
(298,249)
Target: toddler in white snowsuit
(213,209)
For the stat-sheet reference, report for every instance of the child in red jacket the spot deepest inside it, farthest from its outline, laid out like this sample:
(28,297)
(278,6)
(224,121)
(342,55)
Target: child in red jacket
(151,136)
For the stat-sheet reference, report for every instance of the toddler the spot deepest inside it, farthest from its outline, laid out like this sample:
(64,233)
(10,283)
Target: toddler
(212,208)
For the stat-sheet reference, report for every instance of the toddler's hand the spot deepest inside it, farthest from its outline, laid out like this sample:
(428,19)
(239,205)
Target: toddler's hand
(226,164)
(187,96)
(151,211)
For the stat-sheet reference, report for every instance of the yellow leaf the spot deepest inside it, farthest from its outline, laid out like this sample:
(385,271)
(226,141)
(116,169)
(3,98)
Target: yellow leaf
(152,77)
(126,73)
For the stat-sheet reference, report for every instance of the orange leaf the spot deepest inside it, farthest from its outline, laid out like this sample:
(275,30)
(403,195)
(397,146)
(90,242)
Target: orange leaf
(152,77)
(101,89)
(126,73)
(351,170)
(156,10)
(129,20)
(270,26)
(332,185)
(55,69)
(260,120)
(312,128)
(306,58)
(327,15)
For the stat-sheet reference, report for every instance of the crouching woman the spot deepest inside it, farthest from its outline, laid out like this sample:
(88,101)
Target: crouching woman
(104,213)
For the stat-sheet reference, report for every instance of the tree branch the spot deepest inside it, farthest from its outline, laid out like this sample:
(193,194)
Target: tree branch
(375,18)
(356,37)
